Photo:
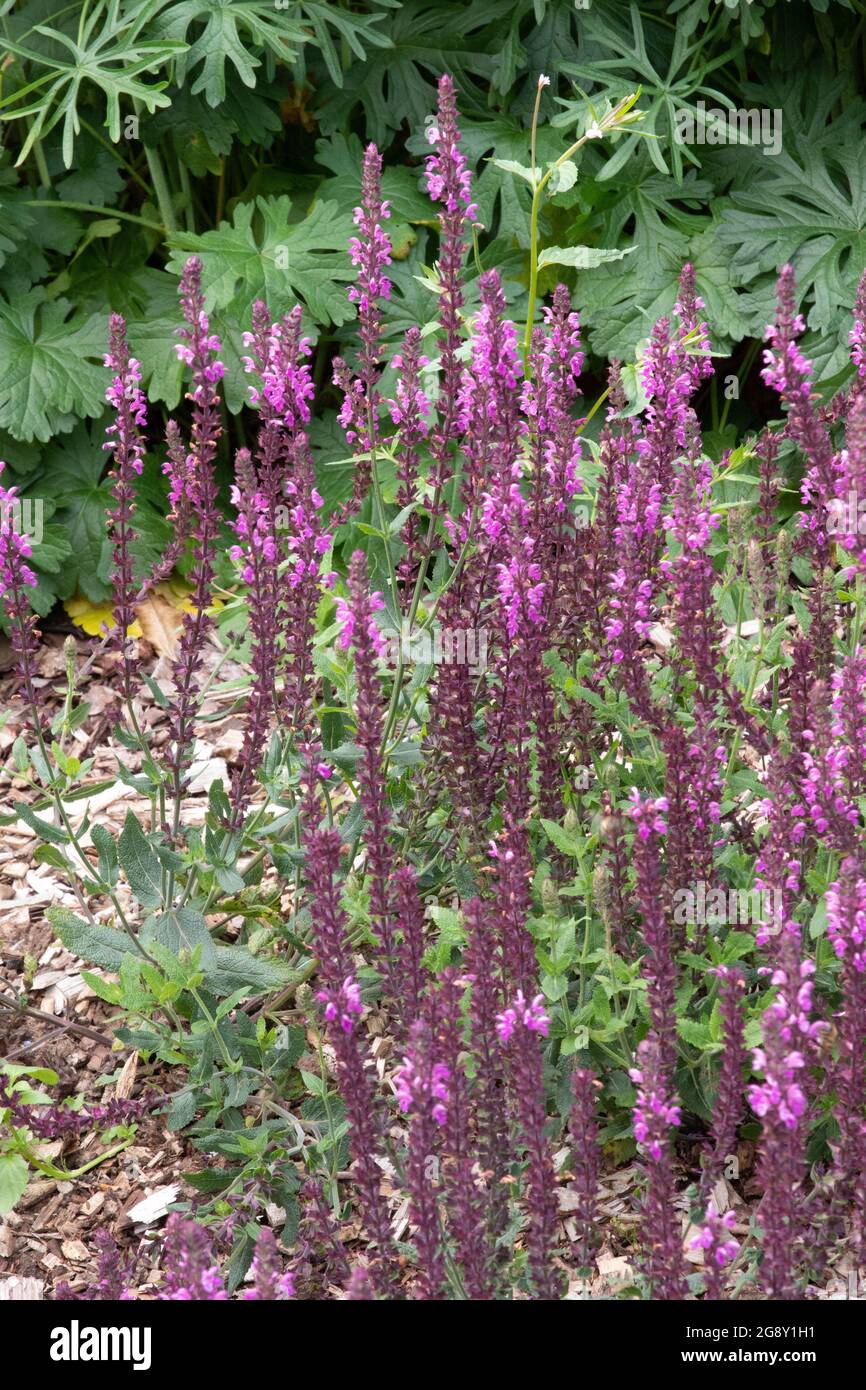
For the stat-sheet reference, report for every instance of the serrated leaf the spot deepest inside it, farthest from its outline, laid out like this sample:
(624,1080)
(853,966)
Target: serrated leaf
(72,476)
(46,377)
(100,945)
(232,32)
(564,842)
(695,1033)
(96,178)
(181,928)
(140,864)
(236,968)
(806,205)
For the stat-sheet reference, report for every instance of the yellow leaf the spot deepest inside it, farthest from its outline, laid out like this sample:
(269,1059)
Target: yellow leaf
(158,618)
(94,618)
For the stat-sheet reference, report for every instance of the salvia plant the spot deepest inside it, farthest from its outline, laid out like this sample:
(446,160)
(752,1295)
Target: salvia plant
(552,744)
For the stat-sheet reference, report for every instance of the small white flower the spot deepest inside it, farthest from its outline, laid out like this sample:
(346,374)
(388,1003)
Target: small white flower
(594,132)
(543,80)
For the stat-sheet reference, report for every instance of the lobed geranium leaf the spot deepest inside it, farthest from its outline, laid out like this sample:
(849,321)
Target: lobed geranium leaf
(48,375)
(268,253)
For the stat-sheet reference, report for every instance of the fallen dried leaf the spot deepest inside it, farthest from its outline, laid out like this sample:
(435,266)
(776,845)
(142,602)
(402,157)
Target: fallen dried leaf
(160,623)
(154,1207)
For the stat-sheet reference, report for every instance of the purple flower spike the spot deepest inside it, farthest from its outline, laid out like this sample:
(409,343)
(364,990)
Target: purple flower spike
(658,966)
(729,1107)
(362,633)
(114,1272)
(191,1273)
(846,929)
(370,253)
(271,1283)
(342,1006)
(585,1162)
(422,1086)
(127,446)
(719,1247)
(520,1027)
(448,183)
(656,1110)
(198,348)
(521,1013)
(790,373)
(16,577)
(780,1101)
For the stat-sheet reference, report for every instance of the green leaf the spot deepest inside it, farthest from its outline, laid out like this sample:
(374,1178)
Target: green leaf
(46,1075)
(96,178)
(140,864)
(100,945)
(181,928)
(267,253)
(818,922)
(46,379)
(232,32)
(237,968)
(49,854)
(512,166)
(13,1180)
(564,177)
(622,302)
(806,205)
(201,133)
(697,1034)
(580,257)
(181,1114)
(669,70)
(71,475)
(564,842)
(107,54)
(108,990)
(107,852)
(44,829)
(398,84)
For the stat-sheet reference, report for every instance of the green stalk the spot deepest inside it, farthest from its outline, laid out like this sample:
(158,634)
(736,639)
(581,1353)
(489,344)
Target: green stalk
(91,207)
(608,122)
(161,189)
